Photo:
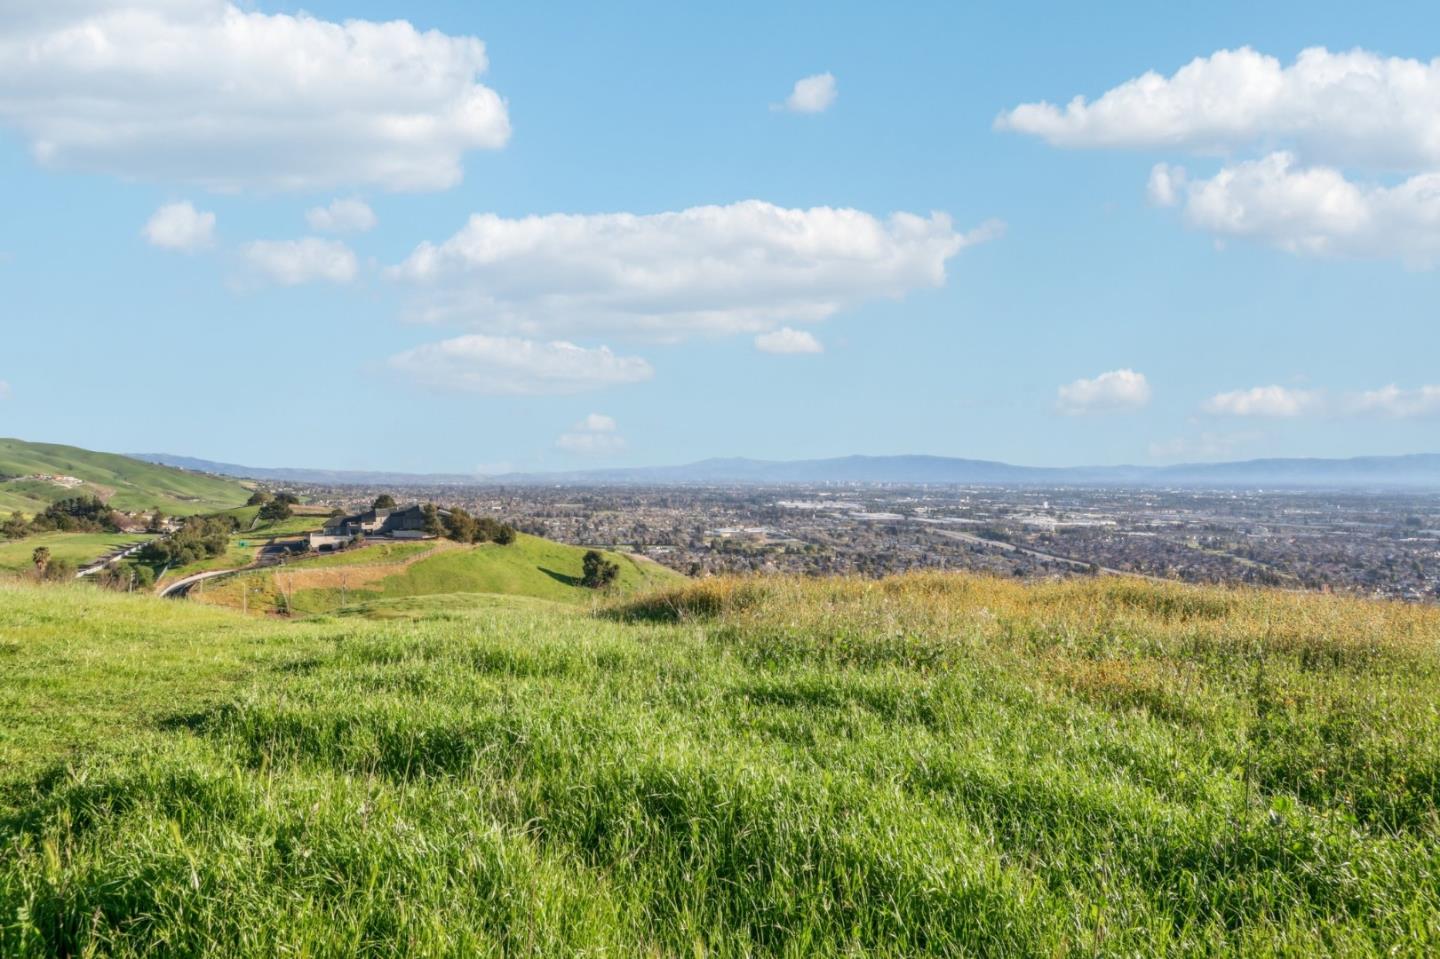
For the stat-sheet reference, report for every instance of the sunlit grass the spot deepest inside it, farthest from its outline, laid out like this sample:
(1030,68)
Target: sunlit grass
(929,765)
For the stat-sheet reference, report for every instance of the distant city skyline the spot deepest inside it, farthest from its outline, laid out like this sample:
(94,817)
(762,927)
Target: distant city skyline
(444,238)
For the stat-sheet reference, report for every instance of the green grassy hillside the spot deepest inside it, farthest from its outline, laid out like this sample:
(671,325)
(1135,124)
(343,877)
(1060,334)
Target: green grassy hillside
(74,548)
(531,566)
(931,765)
(122,482)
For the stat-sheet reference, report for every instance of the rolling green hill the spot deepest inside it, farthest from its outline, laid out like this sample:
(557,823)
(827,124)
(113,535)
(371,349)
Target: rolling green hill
(74,548)
(124,483)
(530,567)
(931,765)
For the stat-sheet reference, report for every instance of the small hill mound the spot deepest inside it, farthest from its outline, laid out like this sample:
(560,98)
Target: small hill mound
(34,475)
(530,567)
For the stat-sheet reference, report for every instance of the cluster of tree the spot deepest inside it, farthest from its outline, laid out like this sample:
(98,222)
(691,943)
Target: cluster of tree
(79,514)
(195,540)
(126,577)
(278,507)
(597,572)
(460,526)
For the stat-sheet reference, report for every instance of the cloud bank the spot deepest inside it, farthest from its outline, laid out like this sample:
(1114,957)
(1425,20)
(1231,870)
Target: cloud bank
(1328,130)
(750,267)
(213,94)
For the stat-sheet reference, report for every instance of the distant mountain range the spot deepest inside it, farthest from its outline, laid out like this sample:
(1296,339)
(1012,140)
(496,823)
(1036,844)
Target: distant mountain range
(1415,470)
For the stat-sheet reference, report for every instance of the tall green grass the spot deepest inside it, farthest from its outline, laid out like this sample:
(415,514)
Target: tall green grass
(930,765)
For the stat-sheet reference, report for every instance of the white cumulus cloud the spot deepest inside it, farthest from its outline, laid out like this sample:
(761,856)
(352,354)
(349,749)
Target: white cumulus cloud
(596,434)
(179,226)
(342,216)
(786,340)
(749,267)
(1268,401)
(215,94)
(502,365)
(1313,210)
(812,94)
(1112,392)
(1392,401)
(1349,108)
(292,262)
(1322,127)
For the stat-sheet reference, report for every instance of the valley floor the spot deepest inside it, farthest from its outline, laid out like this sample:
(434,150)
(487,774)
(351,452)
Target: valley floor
(928,765)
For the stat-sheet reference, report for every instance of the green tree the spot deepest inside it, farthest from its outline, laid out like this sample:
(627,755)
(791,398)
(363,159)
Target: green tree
(59,569)
(461,526)
(505,535)
(276,510)
(433,526)
(289,499)
(597,572)
(15,527)
(384,501)
(258,498)
(41,559)
(157,522)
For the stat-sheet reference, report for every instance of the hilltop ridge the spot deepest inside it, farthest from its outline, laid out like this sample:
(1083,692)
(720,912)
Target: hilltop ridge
(34,475)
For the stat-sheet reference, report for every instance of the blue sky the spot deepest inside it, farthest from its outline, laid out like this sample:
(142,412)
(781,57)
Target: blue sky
(1232,262)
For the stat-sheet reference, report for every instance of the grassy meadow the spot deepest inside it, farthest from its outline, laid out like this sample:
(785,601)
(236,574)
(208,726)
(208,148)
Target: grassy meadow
(530,566)
(926,765)
(17,555)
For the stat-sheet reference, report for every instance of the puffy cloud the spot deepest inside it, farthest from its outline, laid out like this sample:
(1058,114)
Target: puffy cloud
(812,94)
(342,216)
(502,365)
(1314,119)
(1394,402)
(1112,392)
(1270,401)
(209,93)
(1351,108)
(786,340)
(594,435)
(749,267)
(1313,210)
(292,262)
(179,226)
